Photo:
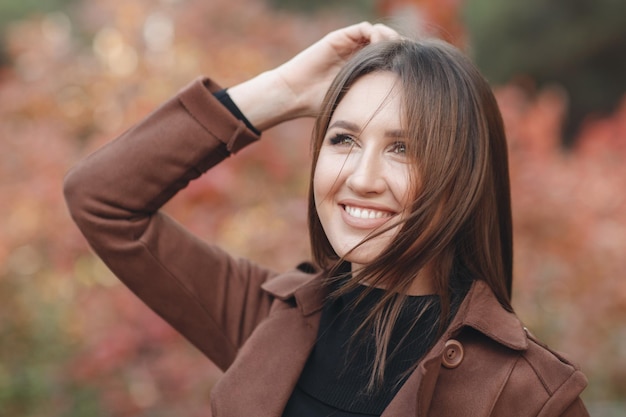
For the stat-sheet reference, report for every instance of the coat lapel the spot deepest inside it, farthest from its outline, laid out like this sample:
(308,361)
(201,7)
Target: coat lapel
(266,370)
(422,381)
(432,390)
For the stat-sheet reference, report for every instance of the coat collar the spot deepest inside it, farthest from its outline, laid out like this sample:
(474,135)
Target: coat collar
(479,310)
(306,289)
(292,336)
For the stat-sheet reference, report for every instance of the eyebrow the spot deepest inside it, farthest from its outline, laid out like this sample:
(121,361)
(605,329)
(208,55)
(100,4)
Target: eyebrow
(344,124)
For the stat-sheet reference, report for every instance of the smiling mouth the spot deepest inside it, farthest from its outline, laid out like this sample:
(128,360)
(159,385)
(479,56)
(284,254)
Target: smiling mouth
(362,213)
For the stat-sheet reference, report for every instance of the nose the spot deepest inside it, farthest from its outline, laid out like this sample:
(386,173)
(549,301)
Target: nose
(366,173)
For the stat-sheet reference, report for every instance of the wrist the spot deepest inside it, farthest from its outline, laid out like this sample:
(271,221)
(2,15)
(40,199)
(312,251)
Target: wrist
(224,98)
(266,100)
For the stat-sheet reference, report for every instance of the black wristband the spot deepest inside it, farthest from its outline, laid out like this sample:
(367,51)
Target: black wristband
(227,102)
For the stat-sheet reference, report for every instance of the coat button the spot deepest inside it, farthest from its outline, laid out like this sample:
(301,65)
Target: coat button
(452,354)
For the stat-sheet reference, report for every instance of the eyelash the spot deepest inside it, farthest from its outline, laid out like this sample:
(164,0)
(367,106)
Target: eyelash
(341,139)
(346,140)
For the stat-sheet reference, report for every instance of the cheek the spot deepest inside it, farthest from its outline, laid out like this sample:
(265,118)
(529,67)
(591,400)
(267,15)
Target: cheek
(318,185)
(320,191)
(325,178)
(401,185)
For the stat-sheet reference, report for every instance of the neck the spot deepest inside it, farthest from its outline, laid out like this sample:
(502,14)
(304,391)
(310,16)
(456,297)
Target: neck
(422,284)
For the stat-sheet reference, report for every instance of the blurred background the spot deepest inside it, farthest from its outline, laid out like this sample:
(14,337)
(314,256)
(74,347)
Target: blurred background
(74,74)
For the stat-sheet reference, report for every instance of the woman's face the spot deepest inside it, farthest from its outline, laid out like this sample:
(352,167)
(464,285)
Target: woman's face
(362,176)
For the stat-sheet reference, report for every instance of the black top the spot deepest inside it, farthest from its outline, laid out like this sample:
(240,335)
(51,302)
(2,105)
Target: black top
(224,98)
(334,379)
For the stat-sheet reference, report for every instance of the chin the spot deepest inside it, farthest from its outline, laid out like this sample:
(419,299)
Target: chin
(360,257)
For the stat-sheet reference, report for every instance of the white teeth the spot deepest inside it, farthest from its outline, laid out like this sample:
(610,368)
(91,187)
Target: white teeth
(366,213)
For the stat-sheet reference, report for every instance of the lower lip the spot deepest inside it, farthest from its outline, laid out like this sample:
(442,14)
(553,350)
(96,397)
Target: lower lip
(360,223)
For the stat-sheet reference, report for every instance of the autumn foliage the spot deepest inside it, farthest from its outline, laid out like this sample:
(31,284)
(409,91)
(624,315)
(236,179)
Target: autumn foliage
(73,341)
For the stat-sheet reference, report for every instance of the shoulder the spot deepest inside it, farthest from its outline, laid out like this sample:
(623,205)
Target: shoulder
(540,382)
(534,380)
(551,366)
(514,370)
(554,377)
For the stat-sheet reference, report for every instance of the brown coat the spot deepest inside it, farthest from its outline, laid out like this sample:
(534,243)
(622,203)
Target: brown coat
(259,326)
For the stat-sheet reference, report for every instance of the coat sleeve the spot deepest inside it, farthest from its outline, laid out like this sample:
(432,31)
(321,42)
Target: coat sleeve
(115,194)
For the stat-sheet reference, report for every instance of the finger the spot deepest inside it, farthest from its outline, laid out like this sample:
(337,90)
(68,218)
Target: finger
(381,32)
(365,32)
(358,33)
(348,40)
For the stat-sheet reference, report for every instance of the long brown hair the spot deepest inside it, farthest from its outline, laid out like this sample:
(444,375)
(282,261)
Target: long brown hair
(460,219)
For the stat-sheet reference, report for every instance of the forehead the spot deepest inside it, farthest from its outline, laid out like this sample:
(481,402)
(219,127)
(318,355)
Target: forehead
(372,97)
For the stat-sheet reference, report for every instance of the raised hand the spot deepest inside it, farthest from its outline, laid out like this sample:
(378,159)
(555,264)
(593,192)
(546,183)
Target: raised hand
(297,87)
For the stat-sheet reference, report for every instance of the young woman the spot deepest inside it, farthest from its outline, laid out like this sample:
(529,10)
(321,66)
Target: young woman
(405,310)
